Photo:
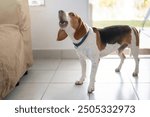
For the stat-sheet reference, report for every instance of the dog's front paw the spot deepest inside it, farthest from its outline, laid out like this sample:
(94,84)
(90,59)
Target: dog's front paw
(79,82)
(117,70)
(135,74)
(91,89)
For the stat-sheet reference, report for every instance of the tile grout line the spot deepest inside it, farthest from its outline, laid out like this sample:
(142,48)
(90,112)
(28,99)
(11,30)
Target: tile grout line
(134,90)
(51,79)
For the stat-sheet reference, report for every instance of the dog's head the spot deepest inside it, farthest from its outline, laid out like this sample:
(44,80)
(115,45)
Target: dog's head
(70,22)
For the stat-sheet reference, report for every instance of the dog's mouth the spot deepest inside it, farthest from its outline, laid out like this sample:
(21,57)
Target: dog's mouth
(62,19)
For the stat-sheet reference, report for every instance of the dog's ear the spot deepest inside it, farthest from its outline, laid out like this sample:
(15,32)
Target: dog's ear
(80,30)
(61,35)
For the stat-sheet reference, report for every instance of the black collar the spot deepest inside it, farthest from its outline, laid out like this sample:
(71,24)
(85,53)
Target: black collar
(82,40)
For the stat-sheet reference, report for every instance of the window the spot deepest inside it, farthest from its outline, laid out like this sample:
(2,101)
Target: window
(122,12)
(110,12)
(36,2)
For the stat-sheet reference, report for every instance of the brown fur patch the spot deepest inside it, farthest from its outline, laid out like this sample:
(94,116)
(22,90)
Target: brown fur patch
(136,35)
(61,35)
(126,39)
(74,20)
(99,43)
(78,25)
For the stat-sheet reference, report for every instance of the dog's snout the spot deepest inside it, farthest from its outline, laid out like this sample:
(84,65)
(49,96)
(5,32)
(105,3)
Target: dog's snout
(61,14)
(62,19)
(61,11)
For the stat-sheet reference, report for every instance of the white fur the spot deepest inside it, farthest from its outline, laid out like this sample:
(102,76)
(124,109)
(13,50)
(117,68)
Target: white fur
(135,53)
(89,50)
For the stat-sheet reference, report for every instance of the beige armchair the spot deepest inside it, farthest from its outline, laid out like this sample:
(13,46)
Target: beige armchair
(15,43)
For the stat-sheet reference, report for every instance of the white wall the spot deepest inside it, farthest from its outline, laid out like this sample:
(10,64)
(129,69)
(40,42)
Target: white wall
(44,21)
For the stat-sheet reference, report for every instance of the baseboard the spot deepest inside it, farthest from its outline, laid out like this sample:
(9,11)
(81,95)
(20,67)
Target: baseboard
(71,54)
(55,54)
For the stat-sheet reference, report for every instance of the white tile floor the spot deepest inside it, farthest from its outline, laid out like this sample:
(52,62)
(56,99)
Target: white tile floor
(50,79)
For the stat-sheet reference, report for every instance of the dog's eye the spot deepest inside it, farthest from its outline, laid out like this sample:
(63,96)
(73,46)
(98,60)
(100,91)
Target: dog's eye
(71,14)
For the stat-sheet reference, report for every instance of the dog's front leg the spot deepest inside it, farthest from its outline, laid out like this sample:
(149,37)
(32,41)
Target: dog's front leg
(83,67)
(92,76)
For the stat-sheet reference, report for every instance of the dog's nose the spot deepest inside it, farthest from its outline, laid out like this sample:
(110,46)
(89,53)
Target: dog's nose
(61,11)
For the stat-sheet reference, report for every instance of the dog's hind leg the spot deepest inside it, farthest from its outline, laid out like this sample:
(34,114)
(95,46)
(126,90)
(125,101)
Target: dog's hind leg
(83,67)
(135,52)
(122,56)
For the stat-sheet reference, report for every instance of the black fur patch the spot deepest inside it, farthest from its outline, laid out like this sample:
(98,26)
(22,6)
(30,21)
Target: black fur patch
(113,34)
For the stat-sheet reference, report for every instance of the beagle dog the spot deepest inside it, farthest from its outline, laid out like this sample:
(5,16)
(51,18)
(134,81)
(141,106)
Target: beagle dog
(94,43)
